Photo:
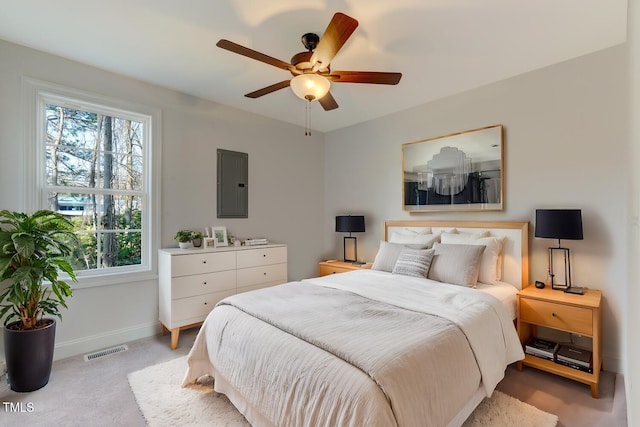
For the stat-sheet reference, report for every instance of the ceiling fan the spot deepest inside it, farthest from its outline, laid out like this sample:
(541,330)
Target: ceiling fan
(312,75)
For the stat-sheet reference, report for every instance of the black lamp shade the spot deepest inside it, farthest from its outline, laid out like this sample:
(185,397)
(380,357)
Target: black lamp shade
(559,224)
(350,224)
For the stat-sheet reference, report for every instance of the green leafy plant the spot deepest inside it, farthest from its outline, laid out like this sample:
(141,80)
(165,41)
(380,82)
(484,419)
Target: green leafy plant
(33,251)
(184,236)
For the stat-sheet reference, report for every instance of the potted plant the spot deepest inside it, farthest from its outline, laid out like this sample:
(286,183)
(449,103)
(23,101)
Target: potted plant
(33,251)
(196,238)
(184,238)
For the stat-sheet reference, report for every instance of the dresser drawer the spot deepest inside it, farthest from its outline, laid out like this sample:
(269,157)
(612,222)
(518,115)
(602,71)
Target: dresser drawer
(559,316)
(199,284)
(271,274)
(195,309)
(198,263)
(264,256)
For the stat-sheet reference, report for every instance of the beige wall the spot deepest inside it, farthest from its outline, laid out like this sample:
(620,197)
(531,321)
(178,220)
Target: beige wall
(285,185)
(632,371)
(565,141)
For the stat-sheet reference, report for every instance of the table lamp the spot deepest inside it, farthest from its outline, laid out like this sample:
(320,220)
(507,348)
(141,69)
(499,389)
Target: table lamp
(350,224)
(560,224)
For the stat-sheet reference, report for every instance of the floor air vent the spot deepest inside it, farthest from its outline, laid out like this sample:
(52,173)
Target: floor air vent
(105,352)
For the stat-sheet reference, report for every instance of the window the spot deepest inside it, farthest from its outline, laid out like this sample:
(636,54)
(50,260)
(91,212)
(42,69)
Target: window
(92,162)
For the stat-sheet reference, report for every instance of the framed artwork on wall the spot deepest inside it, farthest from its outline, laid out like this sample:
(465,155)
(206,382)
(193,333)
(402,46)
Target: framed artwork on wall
(463,171)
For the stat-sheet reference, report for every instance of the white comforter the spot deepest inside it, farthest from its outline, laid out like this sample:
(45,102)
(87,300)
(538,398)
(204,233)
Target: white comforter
(359,348)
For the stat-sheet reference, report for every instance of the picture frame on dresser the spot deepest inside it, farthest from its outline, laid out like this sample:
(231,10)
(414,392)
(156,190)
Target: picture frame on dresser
(219,234)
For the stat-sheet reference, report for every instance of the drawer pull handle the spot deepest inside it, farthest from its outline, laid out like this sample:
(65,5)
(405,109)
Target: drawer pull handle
(553,314)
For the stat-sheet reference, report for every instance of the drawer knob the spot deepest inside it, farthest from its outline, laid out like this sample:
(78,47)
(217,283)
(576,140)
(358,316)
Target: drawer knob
(204,262)
(204,283)
(264,273)
(264,255)
(205,303)
(553,314)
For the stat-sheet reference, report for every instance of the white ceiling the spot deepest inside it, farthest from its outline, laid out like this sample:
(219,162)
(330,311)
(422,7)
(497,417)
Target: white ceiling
(441,47)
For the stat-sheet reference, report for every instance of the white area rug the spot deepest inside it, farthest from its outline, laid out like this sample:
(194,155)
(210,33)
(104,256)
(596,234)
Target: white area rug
(164,402)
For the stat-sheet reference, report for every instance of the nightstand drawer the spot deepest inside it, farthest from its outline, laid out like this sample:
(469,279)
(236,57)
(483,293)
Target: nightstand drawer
(559,316)
(326,270)
(334,267)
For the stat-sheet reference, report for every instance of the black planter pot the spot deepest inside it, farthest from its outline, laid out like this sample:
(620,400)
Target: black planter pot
(29,356)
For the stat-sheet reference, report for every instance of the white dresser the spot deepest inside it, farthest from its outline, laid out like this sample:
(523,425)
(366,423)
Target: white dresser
(192,281)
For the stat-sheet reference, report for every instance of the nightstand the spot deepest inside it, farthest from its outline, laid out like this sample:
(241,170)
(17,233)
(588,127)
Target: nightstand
(576,314)
(333,267)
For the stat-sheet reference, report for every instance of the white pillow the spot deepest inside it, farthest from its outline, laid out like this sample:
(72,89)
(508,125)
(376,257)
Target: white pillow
(414,262)
(456,264)
(387,256)
(491,262)
(424,240)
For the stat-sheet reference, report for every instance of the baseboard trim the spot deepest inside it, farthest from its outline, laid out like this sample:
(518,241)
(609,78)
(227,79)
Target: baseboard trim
(95,342)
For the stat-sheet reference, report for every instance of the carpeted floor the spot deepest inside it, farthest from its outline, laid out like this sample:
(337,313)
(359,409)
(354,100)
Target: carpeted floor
(97,393)
(164,403)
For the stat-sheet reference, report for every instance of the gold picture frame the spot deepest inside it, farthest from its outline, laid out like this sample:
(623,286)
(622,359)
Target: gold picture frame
(462,171)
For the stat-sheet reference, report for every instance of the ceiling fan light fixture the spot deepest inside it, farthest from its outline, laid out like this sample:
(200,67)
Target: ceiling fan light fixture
(310,86)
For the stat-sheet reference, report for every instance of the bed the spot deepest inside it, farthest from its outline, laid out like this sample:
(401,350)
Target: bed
(385,347)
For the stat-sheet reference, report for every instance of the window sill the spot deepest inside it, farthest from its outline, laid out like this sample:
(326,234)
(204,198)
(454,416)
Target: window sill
(113,279)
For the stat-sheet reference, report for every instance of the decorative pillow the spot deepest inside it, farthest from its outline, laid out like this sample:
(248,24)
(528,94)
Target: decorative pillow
(424,240)
(414,262)
(491,262)
(387,256)
(456,264)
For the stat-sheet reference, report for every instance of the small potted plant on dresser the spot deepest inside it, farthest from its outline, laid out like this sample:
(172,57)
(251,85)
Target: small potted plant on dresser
(184,238)
(33,249)
(196,238)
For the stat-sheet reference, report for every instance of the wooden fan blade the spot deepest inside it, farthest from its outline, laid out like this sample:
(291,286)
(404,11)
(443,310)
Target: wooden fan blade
(372,77)
(267,90)
(327,102)
(335,36)
(250,53)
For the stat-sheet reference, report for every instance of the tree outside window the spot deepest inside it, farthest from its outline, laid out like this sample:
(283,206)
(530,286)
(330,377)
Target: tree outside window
(94,174)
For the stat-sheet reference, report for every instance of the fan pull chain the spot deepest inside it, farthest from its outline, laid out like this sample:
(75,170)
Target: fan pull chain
(307,119)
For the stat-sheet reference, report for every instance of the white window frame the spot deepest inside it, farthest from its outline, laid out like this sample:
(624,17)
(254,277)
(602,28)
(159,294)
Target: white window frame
(36,94)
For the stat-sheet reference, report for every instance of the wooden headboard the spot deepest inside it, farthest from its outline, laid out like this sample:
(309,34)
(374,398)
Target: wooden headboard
(515,253)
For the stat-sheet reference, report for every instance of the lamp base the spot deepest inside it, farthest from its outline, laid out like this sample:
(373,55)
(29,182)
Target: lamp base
(350,249)
(575,290)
